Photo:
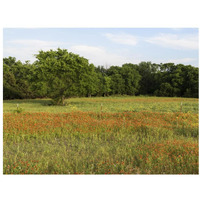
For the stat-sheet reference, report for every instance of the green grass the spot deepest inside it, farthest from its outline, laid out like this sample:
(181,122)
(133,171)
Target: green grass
(109,104)
(130,135)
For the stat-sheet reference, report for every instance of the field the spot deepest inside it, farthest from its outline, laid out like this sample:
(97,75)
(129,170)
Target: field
(110,135)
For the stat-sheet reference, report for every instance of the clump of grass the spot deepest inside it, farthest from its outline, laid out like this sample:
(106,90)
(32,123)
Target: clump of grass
(18,110)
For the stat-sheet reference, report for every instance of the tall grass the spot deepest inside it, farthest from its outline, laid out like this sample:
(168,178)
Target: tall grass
(101,143)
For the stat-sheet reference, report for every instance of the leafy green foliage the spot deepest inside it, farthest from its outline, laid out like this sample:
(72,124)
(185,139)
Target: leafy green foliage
(17,79)
(59,74)
(18,110)
(64,74)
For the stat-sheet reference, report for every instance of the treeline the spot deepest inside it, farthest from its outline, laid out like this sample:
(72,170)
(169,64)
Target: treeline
(60,74)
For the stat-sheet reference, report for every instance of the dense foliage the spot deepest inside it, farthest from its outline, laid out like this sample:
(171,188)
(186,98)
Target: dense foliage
(60,74)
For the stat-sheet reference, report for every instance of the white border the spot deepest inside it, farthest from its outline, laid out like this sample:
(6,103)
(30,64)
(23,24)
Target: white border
(91,13)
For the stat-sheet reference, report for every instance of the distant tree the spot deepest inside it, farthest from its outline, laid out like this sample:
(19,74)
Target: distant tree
(131,77)
(148,81)
(107,85)
(10,88)
(117,81)
(16,79)
(100,81)
(177,80)
(190,85)
(166,90)
(87,81)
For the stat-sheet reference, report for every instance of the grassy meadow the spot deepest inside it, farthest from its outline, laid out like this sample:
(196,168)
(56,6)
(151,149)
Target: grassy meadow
(110,135)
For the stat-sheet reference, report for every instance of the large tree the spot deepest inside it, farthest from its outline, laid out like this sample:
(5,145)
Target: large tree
(64,74)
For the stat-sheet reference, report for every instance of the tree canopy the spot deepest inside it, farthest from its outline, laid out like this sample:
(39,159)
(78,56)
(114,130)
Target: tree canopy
(59,74)
(63,75)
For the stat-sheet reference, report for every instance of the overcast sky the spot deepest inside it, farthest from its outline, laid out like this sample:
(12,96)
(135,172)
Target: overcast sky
(106,46)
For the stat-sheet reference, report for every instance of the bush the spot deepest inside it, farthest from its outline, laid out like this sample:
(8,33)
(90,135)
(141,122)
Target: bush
(18,110)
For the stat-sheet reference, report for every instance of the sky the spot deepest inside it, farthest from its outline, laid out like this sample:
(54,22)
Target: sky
(106,46)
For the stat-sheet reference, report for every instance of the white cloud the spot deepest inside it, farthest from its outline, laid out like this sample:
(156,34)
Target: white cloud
(174,41)
(122,38)
(25,49)
(100,56)
(181,60)
(90,50)
(40,43)
(184,42)
(176,29)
